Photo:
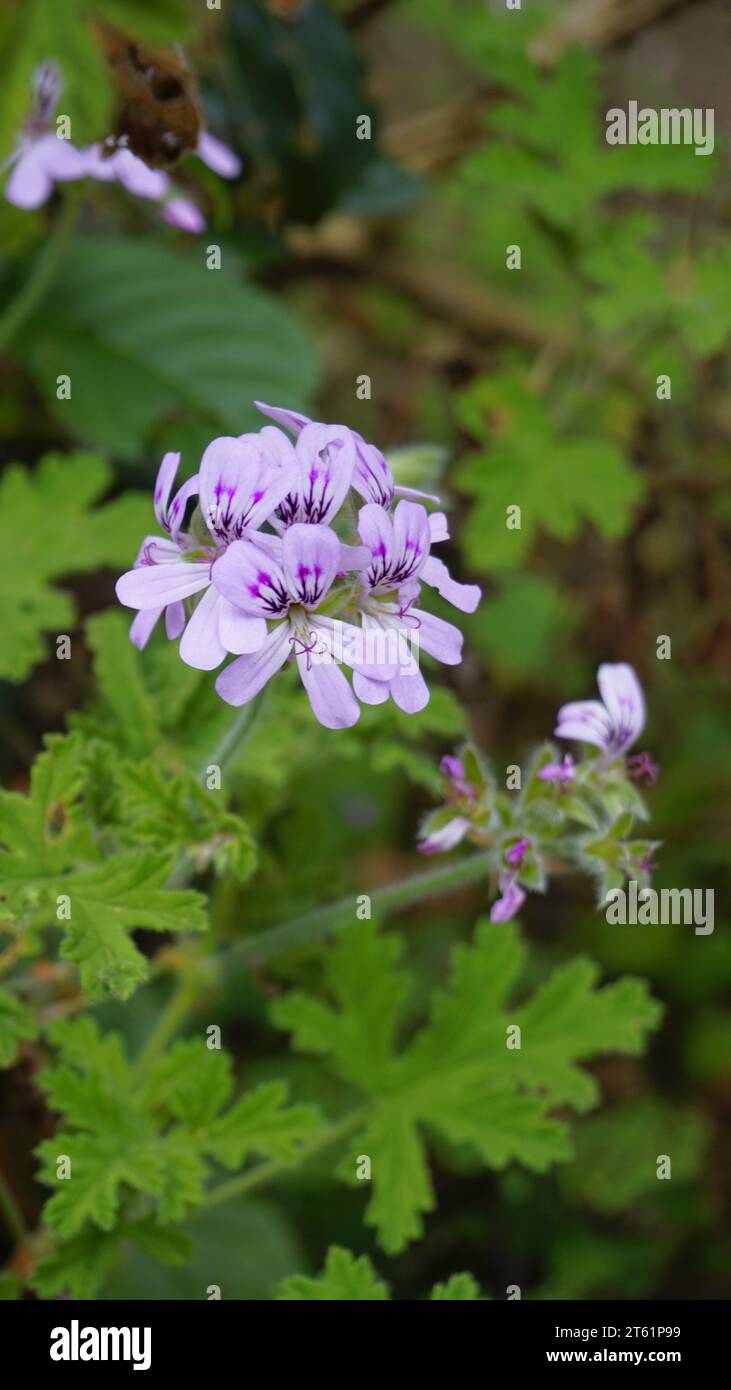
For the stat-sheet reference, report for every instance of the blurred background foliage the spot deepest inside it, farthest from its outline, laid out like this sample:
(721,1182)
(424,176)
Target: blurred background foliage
(535,386)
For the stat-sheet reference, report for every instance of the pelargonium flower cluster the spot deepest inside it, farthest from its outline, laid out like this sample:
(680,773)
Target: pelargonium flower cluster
(300,549)
(42,158)
(571,813)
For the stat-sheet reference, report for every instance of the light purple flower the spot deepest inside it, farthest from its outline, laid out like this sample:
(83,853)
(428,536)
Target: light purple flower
(108,163)
(562,774)
(218,156)
(641,765)
(42,158)
(184,214)
(399,548)
(287,591)
(238,486)
(260,573)
(325,459)
(614,724)
(516,853)
(40,163)
(445,837)
(511,899)
(453,769)
(372,477)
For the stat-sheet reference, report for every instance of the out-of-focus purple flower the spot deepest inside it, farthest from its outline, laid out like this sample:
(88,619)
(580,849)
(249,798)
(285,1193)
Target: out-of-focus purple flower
(616,722)
(645,866)
(641,765)
(453,769)
(511,899)
(286,591)
(217,156)
(184,214)
(445,837)
(108,163)
(516,853)
(40,163)
(372,477)
(238,486)
(42,158)
(562,774)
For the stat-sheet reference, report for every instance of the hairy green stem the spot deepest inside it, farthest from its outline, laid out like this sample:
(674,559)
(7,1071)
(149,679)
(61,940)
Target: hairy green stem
(238,732)
(182,997)
(31,293)
(268,1172)
(12,1213)
(317,924)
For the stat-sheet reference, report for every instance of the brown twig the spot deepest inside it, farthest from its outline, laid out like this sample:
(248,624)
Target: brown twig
(599,24)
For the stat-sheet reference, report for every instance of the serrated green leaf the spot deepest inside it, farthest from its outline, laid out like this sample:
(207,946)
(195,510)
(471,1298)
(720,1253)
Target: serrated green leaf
(52,873)
(17,1025)
(530,465)
(108,902)
(262,1123)
(153,1133)
(78,1266)
(344,1278)
(177,812)
(460,1287)
(50,527)
(458,1075)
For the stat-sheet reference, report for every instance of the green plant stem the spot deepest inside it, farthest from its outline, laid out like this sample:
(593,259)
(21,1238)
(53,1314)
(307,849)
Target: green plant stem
(268,1172)
(236,735)
(47,263)
(12,1213)
(183,996)
(317,924)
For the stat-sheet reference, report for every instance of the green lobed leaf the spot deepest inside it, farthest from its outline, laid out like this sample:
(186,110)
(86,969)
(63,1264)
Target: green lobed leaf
(177,812)
(154,1134)
(344,1278)
(53,873)
(458,1075)
(17,1025)
(461,1288)
(50,526)
(349,1278)
(530,465)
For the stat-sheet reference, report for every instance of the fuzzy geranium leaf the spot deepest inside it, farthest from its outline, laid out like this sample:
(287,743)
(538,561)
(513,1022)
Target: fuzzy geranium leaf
(350,1278)
(529,464)
(458,1075)
(177,811)
(344,1278)
(143,334)
(50,526)
(108,902)
(53,873)
(261,1122)
(78,1266)
(17,1025)
(462,1288)
(154,1134)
